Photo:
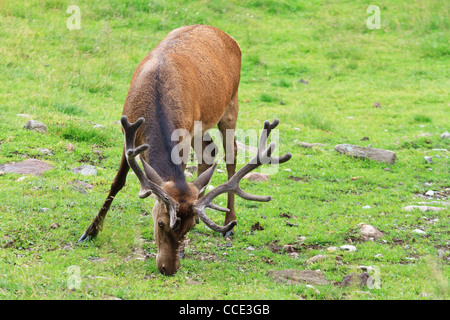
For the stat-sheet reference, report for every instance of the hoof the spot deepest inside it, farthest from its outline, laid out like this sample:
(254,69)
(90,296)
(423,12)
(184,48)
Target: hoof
(85,238)
(228,234)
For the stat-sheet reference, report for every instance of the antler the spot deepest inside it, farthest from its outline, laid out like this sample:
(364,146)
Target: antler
(151,181)
(263,157)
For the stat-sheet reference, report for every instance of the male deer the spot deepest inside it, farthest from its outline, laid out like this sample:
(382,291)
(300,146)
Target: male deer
(192,75)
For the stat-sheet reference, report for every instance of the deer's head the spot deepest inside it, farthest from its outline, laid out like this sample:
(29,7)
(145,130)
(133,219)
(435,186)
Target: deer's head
(178,206)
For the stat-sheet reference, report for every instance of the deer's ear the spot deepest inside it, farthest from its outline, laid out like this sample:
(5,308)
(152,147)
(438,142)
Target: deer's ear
(202,180)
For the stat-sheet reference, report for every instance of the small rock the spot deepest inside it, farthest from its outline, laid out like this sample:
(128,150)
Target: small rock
(99,126)
(301,239)
(348,247)
(422,208)
(21,179)
(418,231)
(369,232)
(43,210)
(428,159)
(426,134)
(429,193)
(255,176)
(367,207)
(362,279)
(303,81)
(85,170)
(387,169)
(364,138)
(289,248)
(2,172)
(35,125)
(365,268)
(81,184)
(45,151)
(316,258)
(332,249)
(54,225)
(445,135)
(309,145)
(311,287)
(220,171)
(70,147)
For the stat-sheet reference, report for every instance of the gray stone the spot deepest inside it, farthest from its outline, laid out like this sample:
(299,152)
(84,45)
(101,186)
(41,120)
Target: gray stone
(316,258)
(29,166)
(379,155)
(35,126)
(348,247)
(429,193)
(445,135)
(422,208)
(369,232)
(85,170)
(310,145)
(255,176)
(45,151)
(354,279)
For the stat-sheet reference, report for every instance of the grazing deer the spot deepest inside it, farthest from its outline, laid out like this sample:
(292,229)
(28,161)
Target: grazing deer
(192,75)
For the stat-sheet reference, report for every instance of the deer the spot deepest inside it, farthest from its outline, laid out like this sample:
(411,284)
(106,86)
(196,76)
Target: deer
(191,76)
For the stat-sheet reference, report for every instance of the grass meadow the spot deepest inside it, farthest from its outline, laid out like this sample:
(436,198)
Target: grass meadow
(315,65)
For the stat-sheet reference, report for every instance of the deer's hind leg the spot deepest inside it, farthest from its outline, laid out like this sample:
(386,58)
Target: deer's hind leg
(227,126)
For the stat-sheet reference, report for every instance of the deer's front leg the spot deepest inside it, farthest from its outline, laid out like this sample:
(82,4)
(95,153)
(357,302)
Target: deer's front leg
(118,183)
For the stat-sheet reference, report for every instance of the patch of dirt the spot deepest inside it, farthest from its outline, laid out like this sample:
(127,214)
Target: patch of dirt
(304,178)
(293,276)
(257,227)
(291,248)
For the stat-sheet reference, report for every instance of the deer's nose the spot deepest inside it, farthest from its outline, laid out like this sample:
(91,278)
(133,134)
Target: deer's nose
(163,270)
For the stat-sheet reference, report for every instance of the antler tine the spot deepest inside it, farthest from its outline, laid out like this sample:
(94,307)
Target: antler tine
(202,215)
(264,156)
(147,186)
(130,130)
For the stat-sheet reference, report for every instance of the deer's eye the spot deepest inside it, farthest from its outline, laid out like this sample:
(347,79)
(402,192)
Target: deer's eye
(160,223)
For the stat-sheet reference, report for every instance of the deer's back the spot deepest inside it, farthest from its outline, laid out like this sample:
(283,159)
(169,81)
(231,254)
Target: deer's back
(191,75)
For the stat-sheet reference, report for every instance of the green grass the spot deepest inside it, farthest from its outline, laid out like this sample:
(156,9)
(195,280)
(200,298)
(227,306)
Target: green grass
(72,80)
